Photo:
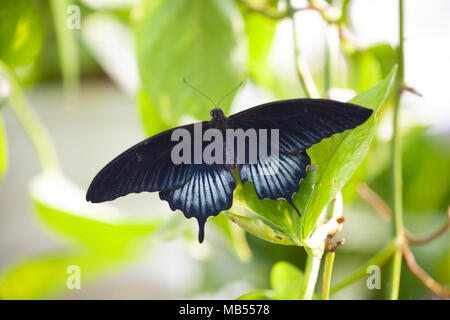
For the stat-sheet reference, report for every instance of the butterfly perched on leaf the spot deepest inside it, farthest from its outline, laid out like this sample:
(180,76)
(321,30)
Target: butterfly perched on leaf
(201,189)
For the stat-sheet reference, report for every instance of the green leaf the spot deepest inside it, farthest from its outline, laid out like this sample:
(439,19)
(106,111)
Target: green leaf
(3,149)
(199,40)
(45,276)
(386,56)
(62,206)
(21,34)
(340,155)
(259,229)
(364,71)
(279,212)
(286,280)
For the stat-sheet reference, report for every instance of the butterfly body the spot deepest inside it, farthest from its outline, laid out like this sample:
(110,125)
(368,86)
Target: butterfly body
(204,188)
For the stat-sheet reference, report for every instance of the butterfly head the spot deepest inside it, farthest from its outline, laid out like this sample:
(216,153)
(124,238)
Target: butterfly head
(217,114)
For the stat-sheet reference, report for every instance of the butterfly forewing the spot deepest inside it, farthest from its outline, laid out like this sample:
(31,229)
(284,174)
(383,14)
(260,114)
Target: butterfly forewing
(147,166)
(302,122)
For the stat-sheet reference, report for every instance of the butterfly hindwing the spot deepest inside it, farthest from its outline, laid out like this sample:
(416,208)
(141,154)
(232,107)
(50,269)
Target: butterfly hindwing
(207,193)
(276,177)
(302,122)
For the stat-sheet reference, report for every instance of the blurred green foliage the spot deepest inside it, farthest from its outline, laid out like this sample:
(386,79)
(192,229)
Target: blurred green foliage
(20,32)
(101,238)
(285,281)
(214,44)
(100,227)
(200,41)
(426,158)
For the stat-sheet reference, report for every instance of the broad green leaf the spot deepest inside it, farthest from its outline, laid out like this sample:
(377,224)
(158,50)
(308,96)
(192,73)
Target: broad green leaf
(62,206)
(234,236)
(350,190)
(21,32)
(46,276)
(3,149)
(286,280)
(329,223)
(339,156)
(259,229)
(152,121)
(199,40)
(364,71)
(386,56)
(279,212)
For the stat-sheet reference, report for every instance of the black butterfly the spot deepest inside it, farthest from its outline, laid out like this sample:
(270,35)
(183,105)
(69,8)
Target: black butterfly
(201,190)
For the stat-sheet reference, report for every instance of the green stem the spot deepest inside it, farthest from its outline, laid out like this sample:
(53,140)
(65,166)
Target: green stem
(395,274)
(329,259)
(397,166)
(311,273)
(67,47)
(310,91)
(303,73)
(344,9)
(30,122)
(327,70)
(380,259)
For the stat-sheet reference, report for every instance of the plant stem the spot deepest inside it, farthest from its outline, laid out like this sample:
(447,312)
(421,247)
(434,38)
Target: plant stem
(329,259)
(397,167)
(327,69)
(30,122)
(311,273)
(67,48)
(344,9)
(395,275)
(303,73)
(310,91)
(380,259)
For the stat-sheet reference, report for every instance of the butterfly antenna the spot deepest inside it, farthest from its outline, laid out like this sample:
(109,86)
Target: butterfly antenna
(198,91)
(231,91)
